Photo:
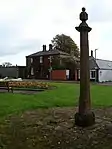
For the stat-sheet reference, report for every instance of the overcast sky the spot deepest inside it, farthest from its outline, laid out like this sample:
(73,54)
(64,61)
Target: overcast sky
(25,25)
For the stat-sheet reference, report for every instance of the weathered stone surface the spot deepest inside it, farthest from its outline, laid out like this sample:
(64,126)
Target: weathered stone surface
(83,118)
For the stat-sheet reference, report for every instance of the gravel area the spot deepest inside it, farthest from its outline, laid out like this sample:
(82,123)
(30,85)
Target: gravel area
(54,129)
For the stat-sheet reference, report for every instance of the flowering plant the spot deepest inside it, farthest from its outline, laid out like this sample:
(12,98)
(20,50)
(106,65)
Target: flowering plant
(29,84)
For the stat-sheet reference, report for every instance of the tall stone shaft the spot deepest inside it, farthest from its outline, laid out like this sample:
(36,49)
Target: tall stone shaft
(84,117)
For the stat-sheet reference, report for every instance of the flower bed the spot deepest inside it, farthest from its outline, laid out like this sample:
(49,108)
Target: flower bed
(23,84)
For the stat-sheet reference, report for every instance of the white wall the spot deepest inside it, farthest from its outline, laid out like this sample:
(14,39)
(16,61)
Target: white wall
(105,75)
(67,72)
(90,74)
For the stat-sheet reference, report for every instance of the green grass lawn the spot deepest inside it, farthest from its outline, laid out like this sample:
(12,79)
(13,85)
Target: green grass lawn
(65,95)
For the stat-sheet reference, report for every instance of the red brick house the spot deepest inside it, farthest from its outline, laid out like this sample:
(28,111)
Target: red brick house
(38,64)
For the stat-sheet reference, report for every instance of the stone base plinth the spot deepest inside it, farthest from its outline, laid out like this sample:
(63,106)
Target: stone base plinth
(85,119)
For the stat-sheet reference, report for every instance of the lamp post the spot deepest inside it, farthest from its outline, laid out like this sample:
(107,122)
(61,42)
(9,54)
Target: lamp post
(84,117)
(17,71)
(50,67)
(95,53)
(95,68)
(95,74)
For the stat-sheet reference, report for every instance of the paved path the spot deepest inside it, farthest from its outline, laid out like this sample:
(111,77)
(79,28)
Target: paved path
(19,92)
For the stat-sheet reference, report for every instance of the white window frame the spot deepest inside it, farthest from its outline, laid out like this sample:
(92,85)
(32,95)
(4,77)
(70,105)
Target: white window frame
(31,60)
(91,74)
(32,71)
(41,59)
(60,62)
(79,74)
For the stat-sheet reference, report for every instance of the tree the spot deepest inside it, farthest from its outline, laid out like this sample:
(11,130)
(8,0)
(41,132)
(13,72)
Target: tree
(66,44)
(6,64)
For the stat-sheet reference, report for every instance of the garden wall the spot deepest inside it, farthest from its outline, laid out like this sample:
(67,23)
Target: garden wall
(8,72)
(13,72)
(63,74)
(59,75)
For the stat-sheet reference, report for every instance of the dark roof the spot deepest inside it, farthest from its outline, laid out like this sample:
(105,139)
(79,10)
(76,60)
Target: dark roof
(50,52)
(104,64)
(92,63)
(100,63)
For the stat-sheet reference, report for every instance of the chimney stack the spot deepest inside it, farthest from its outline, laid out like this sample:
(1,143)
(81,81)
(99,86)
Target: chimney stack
(50,47)
(92,53)
(44,47)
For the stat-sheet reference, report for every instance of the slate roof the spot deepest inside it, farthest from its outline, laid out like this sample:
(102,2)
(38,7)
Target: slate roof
(104,64)
(92,63)
(100,63)
(50,52)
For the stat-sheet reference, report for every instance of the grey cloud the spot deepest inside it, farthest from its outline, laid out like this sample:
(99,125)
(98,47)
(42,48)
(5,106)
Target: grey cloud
(11,41)
(30,44)
(100,11)
(24,45)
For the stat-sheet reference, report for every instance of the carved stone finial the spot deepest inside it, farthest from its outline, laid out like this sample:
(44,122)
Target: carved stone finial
(83,15)
(83,25)
(83,9)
